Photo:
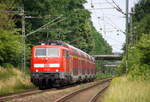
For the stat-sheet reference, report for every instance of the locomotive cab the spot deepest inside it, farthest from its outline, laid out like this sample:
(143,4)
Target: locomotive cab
(46,59)
(46,65)
(49,62)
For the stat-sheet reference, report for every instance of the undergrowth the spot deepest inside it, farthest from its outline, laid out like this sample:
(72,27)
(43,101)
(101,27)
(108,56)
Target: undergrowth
(11,81)
(102,75)
(124,90)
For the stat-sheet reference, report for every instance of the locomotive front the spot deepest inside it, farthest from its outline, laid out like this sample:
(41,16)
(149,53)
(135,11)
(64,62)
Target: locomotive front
(46,65)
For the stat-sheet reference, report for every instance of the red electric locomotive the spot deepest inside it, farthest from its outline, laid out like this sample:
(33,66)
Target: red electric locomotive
(58,63)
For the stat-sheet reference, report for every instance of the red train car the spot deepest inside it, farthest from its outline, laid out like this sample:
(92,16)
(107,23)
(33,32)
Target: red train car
(58,63)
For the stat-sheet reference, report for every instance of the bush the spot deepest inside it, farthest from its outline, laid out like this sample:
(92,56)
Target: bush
(102,75)
(139,59)
(11,81)
(10,47)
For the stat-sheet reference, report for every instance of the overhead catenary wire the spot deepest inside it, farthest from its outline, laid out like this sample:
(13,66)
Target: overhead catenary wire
(112,39)
(111,23)
(114,47)
(116,6)
(114,25)
(43,27)
(95,14)
(75,40)
(103,21)
(104,27)
(119,9)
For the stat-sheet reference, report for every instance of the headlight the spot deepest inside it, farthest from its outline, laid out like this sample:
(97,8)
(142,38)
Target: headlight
(57,70)
(37,70)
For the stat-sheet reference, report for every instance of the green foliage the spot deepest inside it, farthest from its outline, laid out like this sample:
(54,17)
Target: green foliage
(139,51)
(144,48)
(121,68)
(6,73)
(102,75)
(101,46)
(141,19)
(142,27)
(6,20)
(141,8)
(10,47)
(139,60)
(76,28)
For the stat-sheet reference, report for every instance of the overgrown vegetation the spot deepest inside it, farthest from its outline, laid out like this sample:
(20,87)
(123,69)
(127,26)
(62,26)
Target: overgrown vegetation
(103,71)
(11,81)
(139,47)
(10,44)
(100,75)
(124,90)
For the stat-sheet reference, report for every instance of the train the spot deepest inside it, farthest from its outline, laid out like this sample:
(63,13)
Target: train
(56,63)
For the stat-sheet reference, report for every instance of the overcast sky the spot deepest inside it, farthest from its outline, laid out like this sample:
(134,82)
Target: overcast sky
(108,21)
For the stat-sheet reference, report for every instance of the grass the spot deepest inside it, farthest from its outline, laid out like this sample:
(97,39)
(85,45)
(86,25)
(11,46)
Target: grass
(11,81)
(82,86)
(123,90)
(102,75)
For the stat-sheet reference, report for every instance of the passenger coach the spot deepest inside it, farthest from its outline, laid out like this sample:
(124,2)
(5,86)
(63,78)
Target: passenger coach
(58,63)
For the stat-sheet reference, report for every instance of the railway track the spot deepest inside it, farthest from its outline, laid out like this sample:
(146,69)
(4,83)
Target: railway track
(10,96)
(20,94)
(82,95)
(96,96)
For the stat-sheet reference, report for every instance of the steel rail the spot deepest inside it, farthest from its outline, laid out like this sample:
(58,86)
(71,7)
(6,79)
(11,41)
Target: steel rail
(66,97)
(96,96)
(18,94)
(9,96)
(28,92)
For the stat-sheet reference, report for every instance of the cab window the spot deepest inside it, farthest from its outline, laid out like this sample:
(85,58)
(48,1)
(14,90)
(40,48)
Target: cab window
(52,52)
(47,52)
(40,52)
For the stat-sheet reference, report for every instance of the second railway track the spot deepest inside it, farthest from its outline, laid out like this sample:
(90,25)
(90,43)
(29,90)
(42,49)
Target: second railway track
(11,96)
(89,94)
(6,97)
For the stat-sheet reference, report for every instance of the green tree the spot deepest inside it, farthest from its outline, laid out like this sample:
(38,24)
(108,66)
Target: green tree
(76,29)
(10,45)
(139,52)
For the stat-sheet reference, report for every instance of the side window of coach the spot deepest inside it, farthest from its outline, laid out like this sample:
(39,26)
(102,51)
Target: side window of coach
(67,54)
(75,53)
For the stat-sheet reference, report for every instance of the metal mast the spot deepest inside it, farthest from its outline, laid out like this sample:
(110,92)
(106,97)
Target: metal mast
(23,40)
(127,34)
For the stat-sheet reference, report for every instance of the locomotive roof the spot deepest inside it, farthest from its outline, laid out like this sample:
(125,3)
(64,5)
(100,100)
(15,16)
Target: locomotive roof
(61,43)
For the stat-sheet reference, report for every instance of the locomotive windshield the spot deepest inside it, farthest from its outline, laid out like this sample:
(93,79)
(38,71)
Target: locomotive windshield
(40,52)
(52,52)
(47,52)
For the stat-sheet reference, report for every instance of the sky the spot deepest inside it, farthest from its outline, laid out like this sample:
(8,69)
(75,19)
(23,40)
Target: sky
(108,21)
